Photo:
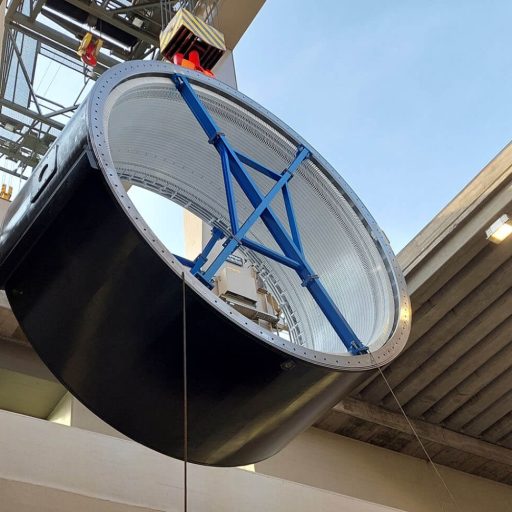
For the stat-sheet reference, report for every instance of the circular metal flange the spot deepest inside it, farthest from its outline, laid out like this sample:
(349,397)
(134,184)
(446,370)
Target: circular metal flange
(125,78)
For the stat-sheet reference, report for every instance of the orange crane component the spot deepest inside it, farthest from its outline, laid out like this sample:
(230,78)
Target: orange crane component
(192,62)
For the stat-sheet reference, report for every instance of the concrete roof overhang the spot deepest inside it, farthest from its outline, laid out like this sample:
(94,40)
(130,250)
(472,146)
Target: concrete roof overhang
(454,378)
(234,17)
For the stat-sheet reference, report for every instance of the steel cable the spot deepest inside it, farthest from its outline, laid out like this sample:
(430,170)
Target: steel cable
(185,397)
(413,430)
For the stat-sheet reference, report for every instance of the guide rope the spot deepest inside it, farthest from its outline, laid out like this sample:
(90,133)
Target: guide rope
(415,433)
(185,397)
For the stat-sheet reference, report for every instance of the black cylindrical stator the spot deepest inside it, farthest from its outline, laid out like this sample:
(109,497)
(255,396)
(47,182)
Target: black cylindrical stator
(101,298)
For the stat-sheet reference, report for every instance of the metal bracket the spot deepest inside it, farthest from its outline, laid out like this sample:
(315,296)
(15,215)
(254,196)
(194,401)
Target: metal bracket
(215,139)
(308,279)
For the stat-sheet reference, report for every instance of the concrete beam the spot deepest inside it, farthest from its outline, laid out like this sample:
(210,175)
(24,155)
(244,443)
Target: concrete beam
(430,364)
(452,324)
(234,17)
(424,262)
(469,374)
(426,431)
(495,392)
(467,206)
(477,270)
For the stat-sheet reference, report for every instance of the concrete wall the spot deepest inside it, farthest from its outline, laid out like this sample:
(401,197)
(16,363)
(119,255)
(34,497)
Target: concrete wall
(342,465)
(225,69)
(45,466)
(72,413)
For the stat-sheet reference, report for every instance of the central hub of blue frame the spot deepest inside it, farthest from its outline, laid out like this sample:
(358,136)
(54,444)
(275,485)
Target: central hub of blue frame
(292,255)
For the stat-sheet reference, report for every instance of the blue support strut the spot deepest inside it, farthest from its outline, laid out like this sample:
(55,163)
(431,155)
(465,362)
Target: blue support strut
(290,244)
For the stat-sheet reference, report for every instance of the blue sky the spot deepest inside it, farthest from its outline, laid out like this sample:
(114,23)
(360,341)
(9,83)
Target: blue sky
(407,100)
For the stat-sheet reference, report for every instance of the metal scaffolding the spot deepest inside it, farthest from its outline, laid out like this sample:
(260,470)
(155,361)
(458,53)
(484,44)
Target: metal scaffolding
(43,80)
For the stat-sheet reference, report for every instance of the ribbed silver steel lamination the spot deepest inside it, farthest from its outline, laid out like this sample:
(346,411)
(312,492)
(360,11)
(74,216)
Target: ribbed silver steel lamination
(155,142)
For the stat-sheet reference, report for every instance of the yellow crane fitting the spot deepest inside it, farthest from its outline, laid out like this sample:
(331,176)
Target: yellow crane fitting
(6,192)
(89,49)
(186,34)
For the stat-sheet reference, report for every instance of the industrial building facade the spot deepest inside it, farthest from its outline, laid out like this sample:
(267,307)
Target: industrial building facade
(451,387)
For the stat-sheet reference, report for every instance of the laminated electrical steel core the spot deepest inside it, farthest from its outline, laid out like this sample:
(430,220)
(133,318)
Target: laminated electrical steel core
(110,309)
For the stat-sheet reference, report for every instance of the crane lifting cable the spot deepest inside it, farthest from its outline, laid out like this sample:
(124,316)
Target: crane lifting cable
(100,297)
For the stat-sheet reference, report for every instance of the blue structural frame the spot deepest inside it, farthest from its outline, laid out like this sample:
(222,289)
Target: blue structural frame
(292,255)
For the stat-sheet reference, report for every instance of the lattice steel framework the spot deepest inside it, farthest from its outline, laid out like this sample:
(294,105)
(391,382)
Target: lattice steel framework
(43,35)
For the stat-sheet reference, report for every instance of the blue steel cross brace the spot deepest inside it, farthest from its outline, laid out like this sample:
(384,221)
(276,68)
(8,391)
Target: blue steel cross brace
(292,255)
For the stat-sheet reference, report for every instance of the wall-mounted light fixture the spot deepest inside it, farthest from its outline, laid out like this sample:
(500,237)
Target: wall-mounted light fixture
(500,229)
